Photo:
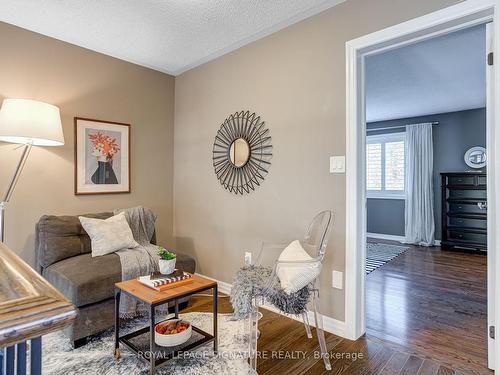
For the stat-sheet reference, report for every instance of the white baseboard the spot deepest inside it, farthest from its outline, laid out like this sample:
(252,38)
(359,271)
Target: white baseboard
(381,236)
(390,237)
(331,325)
(222,286)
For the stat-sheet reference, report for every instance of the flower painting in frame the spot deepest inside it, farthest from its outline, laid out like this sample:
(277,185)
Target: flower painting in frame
(102,157)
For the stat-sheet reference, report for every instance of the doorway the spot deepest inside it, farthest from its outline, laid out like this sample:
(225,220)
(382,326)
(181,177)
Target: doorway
(458,17)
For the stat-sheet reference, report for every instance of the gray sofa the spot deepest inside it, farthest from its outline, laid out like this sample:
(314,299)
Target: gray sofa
(63,257)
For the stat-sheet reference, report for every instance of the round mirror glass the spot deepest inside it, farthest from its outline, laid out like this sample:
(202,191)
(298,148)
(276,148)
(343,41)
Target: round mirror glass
(475,157)
(239,152)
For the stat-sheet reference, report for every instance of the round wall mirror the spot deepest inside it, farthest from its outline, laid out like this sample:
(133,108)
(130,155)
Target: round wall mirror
(242,152)
(239,152)
(475,157)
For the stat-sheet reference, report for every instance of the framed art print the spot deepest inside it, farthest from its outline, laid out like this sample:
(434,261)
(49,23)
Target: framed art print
(102,157)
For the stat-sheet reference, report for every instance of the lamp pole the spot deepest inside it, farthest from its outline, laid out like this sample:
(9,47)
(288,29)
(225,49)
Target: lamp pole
(12,185)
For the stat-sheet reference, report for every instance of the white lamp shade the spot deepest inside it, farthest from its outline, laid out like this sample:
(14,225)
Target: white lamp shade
(24,120)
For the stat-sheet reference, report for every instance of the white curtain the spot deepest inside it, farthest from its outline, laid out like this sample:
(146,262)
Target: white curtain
(419,211)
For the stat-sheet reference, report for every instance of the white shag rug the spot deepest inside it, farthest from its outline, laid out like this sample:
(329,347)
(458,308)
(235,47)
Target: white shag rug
(97,356)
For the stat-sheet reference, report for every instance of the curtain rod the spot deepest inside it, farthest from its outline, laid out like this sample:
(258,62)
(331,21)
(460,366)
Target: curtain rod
(395,127)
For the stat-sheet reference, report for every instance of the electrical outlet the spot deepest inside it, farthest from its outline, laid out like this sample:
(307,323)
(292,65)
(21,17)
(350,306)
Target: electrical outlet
(337,281)
(248,258)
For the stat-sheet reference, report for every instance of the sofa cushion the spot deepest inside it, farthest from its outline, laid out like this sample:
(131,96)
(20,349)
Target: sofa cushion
(85,280)
(185,262)
(61,237)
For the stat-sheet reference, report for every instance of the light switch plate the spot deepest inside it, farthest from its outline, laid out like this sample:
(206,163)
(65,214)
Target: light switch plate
(337,281)
(337,164)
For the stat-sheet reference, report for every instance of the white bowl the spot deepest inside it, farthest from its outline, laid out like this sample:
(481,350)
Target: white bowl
(175,338)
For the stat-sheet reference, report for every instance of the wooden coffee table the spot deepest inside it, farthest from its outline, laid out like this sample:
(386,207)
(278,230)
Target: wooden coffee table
(142,341)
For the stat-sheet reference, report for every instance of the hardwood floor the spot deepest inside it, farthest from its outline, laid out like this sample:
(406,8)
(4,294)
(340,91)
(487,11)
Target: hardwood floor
(366,356)
(431,303)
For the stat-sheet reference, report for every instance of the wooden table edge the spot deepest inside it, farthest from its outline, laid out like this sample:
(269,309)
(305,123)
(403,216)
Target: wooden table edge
(163,296)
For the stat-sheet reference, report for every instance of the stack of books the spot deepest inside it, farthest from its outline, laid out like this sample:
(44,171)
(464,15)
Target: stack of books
(160,282)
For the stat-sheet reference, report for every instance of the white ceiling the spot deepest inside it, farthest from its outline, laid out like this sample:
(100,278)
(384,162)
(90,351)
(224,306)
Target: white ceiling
(440,75)
(171,36)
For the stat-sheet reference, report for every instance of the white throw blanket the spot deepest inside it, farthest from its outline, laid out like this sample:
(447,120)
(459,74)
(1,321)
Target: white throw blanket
(141,260)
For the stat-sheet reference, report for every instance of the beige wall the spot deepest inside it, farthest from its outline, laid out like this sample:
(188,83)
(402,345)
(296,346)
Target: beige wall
(87,84)
(294,79)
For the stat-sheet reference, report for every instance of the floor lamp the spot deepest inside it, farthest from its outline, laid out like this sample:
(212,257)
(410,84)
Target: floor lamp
(31,123)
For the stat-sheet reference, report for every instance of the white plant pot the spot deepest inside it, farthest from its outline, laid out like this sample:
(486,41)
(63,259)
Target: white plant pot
(167,266)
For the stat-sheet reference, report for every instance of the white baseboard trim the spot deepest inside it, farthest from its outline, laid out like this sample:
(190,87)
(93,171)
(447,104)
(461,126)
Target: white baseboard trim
(222,286)
(390,237)
(331,325)
(381,236)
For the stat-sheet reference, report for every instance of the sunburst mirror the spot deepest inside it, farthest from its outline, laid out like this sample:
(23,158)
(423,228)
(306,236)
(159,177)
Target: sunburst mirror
(242,152)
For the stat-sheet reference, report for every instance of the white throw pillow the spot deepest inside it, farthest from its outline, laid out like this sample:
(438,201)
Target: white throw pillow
(110,235)
(294,277)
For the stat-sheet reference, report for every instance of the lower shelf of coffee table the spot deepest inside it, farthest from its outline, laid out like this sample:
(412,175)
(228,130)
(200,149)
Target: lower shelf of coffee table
(138,342)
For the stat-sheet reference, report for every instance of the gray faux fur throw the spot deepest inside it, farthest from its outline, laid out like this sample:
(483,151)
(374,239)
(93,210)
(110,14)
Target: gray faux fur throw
(250,282)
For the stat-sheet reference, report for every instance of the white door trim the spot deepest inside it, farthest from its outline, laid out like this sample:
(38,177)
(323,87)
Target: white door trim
(491,220)
(462,15)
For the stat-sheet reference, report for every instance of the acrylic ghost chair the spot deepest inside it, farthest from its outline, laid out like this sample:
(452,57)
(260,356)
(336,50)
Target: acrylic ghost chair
(314,242)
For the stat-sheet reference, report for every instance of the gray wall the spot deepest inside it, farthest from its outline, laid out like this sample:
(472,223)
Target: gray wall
(386,216)
(456,132)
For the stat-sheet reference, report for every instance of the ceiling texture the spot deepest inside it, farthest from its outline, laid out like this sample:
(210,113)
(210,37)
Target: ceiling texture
(171,36)
(439,75)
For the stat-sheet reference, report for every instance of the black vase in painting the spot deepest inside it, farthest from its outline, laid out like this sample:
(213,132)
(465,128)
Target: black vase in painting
(104,173)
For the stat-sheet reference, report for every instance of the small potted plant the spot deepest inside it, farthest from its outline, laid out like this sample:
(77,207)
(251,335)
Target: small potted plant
(167,261)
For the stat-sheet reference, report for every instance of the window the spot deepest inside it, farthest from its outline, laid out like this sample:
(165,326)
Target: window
(385,166)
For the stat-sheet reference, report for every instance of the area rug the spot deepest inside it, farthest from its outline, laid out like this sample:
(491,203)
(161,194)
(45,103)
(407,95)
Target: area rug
(97,356)
(378,254)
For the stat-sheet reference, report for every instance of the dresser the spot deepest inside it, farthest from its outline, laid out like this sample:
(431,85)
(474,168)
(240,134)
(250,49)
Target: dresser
(464,211)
